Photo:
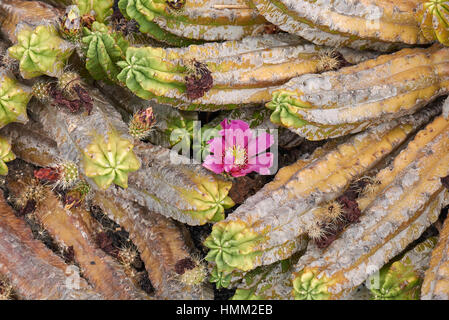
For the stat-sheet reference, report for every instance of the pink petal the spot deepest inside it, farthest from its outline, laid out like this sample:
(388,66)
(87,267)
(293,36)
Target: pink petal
(209,163)
(262,142)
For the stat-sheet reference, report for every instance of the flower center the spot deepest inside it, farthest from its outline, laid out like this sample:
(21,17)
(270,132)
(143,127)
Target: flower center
(240,155)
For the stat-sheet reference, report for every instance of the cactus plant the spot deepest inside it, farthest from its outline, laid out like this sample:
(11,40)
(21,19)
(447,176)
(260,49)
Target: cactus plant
(332,104)
(109,160)
(24,260)
(380,25)
(402,279)
(71,231)
(219,75)
(40,51)
(169,262)
(272,224)
(200,196)
(104,49)
(436,283)
(206,20)
(407,200)
(14,98)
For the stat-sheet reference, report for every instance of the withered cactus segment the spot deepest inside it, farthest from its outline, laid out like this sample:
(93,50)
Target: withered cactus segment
(221,75)
(205,19)
(147,230)
(380,25)
(436,280)
(402,278)
(33,270)
(185,192)
(408,199)
(272,224)
(69,229)
(31,13)
(353,98)
(161,243)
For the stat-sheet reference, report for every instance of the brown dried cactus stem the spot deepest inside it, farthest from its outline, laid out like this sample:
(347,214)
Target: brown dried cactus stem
(70,230)
(161,243)
(32,269)
(407,199)
(436,280)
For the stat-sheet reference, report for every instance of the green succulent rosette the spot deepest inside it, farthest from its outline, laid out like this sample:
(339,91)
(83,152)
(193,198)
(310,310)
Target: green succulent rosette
(211,199)
(6,155)
(101,8)
(109,160)
(103,50)
(434,20)
(402,279)
(40,51)
(231,246)
(284,107)
(147,74)
(14,98)
(220,278)
(398,282)
(307,286)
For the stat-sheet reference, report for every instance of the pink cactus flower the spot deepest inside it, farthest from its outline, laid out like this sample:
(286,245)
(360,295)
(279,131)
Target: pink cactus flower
(237,152)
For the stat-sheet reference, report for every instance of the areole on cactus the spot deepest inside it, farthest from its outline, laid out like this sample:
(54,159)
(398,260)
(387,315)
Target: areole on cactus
(109,160)
(14,98)
(40,51)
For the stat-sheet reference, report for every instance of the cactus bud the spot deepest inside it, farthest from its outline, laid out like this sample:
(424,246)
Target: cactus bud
(141,123)
(199,80)
(70,24)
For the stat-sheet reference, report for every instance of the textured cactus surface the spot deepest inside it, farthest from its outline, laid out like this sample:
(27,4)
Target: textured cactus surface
(15,13)
(402,279)
(272,224)
(6,155)
(433,15)
(69,230)
(204,19)
(219,75)
(406,201)
(40,51)
(351,99)
(33,270)
(103,50)
(101,9)
(14,98)
(379,24)
(436,280)
(164,183)
(148,231)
